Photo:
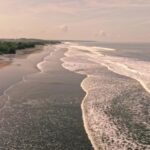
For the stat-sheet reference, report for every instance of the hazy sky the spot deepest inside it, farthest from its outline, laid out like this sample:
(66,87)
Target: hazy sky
(104,20)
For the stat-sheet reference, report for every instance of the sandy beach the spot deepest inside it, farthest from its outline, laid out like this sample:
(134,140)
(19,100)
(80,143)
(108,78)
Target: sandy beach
(43,109)
(4,63)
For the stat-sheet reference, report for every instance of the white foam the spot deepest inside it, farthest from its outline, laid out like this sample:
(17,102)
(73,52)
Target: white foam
(94,48)
(41,64)
(89,61)
(139,70)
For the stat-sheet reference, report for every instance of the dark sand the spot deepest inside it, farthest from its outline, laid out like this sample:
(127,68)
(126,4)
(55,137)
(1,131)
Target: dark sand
(45,114)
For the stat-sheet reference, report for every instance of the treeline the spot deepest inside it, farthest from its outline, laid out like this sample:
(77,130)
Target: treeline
(10,46)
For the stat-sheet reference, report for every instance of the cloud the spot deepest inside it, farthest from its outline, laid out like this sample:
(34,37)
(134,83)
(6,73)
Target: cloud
(101,33)
(64,28)
(99,19)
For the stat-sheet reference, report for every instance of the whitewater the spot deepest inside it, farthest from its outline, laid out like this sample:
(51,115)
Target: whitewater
(108,79)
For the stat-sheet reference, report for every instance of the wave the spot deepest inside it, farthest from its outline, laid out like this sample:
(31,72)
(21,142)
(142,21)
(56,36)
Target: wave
(94,48)
(135,69)
(142,78)
(43,61)
(89,61)
(41,64)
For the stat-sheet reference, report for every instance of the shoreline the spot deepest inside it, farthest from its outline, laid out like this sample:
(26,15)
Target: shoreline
(73,67)
(83,110)
(59,116)
(85,122)
(8,46)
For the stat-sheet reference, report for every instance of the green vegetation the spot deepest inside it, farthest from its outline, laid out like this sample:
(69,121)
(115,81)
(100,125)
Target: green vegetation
(10,46)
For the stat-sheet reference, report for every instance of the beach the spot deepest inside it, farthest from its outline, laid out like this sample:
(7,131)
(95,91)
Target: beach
(5,60)
(75,96)
(41,104)
(75,75)
(116,106)
(4,63)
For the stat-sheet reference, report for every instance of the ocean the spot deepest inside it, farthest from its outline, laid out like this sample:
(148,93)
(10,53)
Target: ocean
(116,108)
(75,94)
(40,104)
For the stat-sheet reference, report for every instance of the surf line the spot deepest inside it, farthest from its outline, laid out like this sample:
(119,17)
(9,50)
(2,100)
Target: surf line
(85,122)
(44,60)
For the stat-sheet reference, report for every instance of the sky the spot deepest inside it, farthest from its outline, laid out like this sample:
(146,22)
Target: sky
(100,20)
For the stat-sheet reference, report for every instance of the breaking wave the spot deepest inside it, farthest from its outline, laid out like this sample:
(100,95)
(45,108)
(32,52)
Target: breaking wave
(102,87)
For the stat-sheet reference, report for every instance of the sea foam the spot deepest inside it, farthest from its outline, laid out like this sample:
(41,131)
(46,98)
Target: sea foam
(100,89)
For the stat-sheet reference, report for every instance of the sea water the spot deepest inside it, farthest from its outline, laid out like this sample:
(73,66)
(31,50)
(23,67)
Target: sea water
(40,104)
(116,107)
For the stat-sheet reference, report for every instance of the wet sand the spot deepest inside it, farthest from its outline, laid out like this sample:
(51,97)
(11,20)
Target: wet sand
(44,112)
(4,63)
